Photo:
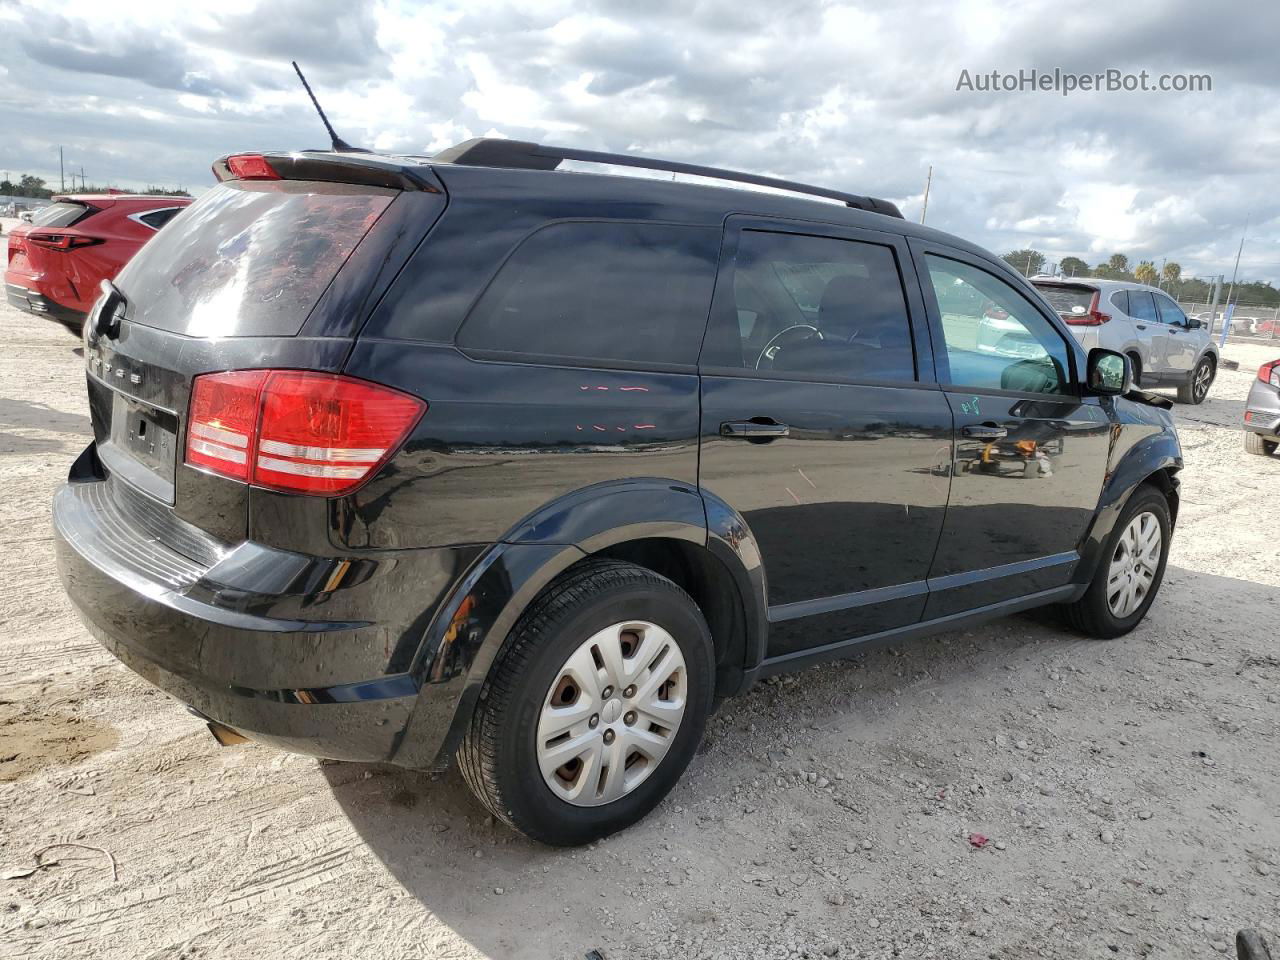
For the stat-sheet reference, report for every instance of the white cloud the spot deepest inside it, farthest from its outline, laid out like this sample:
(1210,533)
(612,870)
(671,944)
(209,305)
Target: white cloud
(855,95)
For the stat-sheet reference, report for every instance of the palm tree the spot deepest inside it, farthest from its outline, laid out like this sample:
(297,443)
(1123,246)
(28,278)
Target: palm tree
(1145,272)
(1172,274)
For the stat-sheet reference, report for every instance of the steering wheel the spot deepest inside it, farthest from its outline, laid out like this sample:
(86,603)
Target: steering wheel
(771,348)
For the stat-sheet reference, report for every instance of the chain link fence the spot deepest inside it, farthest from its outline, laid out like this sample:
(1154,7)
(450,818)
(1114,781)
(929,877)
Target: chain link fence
(1256,323)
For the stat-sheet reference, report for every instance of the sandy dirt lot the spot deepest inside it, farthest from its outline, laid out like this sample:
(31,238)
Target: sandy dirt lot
(1129,789)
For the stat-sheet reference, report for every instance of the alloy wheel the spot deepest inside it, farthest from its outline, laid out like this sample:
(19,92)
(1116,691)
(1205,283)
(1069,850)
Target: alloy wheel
(612,713)
(1134,564)
(1204,377)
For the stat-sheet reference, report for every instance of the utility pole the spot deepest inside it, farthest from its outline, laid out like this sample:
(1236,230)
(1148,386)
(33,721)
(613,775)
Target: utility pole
(82,178)
(927,184)
(62,176)
(1236,269)
(1213,309)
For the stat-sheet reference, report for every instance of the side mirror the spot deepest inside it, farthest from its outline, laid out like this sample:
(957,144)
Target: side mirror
(1108,373)
(1193,323)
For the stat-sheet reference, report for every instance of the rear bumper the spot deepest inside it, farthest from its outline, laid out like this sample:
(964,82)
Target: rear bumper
(1262,409)
(239,639)
(28,299)
(1263,422)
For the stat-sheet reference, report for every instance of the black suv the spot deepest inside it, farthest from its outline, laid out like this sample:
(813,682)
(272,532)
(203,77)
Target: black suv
(399,458)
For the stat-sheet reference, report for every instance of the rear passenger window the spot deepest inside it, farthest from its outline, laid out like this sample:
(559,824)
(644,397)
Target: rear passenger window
(1141,308)
(631,292)
(156,219)
(814,307)
(1120,300)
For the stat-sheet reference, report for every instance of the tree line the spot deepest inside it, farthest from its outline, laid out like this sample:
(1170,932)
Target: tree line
(35,188)
(1029,262)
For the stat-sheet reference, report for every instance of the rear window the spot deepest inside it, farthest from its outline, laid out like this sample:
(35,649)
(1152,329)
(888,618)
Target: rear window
(631,292)
(61,214)
(1067,300)
(249,258)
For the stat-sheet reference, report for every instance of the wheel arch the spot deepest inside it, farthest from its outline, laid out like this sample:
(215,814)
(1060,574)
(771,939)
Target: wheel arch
(660,524)
(1154,460)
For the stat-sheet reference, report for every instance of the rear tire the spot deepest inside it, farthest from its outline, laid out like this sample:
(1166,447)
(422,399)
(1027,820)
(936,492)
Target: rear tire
(552,668)
(1257,443)
(1196,389)
(1124,571)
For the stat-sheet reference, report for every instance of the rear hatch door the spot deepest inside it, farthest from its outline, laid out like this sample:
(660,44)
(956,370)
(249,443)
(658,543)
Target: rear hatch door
(273,273)
(1069,300)
(35,258)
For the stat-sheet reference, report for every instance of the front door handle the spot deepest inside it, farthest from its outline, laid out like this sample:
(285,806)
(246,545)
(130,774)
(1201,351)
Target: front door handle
(756,429)
(985,431)
(1141,326)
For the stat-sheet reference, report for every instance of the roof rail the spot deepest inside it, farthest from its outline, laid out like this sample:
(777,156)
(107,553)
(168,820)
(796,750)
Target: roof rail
(521,154)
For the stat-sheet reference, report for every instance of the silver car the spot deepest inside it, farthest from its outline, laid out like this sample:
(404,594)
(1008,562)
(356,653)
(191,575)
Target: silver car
(1262,411)
(1166,347)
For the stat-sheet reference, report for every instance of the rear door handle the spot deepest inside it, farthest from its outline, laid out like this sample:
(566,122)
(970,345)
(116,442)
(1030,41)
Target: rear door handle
(984,431)
(1141,326)
(759,428)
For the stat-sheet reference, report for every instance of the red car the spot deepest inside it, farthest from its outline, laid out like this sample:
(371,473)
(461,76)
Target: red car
(57,262)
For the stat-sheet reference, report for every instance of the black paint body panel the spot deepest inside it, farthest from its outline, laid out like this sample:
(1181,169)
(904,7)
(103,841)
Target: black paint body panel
(364,626)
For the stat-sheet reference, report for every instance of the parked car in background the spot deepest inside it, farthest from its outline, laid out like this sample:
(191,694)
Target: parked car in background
(57,264)
(1262,411)
(397,460)
(1165,346)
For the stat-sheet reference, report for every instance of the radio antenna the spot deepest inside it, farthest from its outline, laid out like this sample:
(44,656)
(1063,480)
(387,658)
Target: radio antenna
(339,145)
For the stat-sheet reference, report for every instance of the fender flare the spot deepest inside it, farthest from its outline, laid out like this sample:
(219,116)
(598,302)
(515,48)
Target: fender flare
(1151,454)
(466,634)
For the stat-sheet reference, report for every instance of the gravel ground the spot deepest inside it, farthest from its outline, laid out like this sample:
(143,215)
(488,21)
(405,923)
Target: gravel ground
(1127,789)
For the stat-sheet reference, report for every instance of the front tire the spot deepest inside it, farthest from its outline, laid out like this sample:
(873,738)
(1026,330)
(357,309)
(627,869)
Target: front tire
(1130,572)
(595,706)
(1257,443)
(1196,389)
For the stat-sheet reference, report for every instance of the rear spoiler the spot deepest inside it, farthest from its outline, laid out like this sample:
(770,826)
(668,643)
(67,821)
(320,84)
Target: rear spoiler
(363,168)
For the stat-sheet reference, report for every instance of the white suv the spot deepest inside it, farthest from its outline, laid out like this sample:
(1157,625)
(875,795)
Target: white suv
(1166,347)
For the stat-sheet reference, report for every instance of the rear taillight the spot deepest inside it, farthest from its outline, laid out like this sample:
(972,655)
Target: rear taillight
(1270,373)
(1094,318)
(251,166)
(61,241)
(296,431)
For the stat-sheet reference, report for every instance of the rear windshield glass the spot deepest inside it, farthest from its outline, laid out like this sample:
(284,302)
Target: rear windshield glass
(61,214)
(1067,299)
(249,258)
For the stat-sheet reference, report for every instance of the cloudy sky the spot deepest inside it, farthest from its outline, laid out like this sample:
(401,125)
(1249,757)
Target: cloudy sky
(858,96)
